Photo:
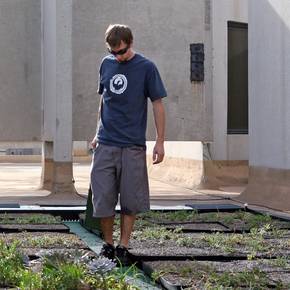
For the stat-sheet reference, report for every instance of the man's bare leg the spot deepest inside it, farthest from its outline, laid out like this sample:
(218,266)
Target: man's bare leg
(127,224)
(107,224)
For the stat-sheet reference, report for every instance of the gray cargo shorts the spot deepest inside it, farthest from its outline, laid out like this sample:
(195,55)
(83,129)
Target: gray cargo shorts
(119,173)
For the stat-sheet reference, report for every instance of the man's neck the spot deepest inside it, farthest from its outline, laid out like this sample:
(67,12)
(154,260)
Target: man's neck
(131,55)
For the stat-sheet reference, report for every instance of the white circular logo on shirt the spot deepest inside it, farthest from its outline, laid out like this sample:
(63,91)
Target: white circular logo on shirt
(118,84)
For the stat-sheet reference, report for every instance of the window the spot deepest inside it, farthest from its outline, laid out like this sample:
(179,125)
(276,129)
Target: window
(237,78)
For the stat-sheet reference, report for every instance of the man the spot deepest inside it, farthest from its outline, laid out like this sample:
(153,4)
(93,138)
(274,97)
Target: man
(127,79)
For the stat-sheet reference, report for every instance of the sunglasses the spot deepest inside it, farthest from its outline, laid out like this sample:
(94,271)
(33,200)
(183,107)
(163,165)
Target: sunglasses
(119,52)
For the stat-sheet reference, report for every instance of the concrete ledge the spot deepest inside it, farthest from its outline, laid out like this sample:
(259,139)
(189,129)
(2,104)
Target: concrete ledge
(196,174)
(178,171)
(219,173)
(268,187)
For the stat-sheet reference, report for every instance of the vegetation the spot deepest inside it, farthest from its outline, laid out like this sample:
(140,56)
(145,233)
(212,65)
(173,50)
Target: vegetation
(29,219)
(254,279)
(281,262)
(42,240)
(254,242)
(260,235)
(231,219)
(11,264)
(58,272)
(171,216)
(206,277)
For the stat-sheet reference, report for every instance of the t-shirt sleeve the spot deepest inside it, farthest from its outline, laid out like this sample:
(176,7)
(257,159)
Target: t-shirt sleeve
(100,84)
(155,89)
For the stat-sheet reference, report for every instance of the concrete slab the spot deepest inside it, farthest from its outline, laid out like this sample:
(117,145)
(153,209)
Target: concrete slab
(19,182)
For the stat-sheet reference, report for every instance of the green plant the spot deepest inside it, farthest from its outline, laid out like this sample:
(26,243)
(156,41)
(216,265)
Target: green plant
(127,275)
(254,280)
(254,242)
(256,220)
(281,262)
(29,219)
(156,232)
(178,215)
(230,219)
(29,280)
(49,240)
(58,274)
(225,242)
(156,275)
(11,264)
(117,279)
(185,241)
(209,217)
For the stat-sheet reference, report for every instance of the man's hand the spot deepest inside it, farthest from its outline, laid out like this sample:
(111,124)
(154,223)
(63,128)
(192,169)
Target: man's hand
(94,143)
(158,152)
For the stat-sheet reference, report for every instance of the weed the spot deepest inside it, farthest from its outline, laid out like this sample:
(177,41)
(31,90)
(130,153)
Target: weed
(30,280)
(156,275)
(224,242)
(257,220)
(11,264)
(118,279)
(29,219)
(209,217)
(45,241)
(281,262)
(178,215)
(185,241)
(254,280)
(62,275)
(157,232)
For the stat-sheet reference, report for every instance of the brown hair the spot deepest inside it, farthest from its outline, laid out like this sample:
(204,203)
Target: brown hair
(115,33)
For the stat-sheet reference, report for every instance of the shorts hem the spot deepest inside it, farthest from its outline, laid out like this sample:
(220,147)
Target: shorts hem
(103,215)
(135,212)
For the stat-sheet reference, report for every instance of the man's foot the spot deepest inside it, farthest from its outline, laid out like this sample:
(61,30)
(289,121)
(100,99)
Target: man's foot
(108,251)
(123,256)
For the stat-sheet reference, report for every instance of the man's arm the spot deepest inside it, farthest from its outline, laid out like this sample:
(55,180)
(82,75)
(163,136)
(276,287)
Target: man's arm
(94,141)
(159,117)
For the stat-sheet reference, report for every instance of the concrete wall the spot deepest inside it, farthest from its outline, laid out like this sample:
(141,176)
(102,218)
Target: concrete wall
(269,65)
(183,164)
(224,146)
(269,83)
(163,32)
(20,70)
(195,111)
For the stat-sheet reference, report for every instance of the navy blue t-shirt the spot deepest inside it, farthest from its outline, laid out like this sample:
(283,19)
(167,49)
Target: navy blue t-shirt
(125,88)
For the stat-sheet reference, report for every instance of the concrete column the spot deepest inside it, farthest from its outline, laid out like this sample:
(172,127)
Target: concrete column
(47,174)
(57,95)
(269,104)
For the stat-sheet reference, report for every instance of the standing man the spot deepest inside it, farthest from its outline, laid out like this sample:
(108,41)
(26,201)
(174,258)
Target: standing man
(127,80)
